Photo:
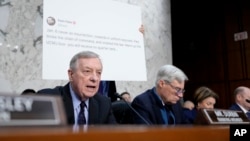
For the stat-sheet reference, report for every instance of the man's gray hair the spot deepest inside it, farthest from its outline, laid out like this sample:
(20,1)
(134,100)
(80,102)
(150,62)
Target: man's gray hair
(82,54)
(241,90)
(170,73)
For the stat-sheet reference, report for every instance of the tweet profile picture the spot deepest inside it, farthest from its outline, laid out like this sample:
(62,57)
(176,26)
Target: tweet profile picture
(51,21)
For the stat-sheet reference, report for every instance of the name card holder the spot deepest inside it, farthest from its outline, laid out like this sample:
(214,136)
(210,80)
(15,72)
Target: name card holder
(221,117)
(31,110)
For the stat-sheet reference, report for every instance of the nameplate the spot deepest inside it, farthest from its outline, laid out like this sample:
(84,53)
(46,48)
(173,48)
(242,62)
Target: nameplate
(221,116)
(31,110)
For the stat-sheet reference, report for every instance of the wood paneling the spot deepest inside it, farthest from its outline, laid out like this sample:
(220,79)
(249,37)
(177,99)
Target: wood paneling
(235,69)
(209,55)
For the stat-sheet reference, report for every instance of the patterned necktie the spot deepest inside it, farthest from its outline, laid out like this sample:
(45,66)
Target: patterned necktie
(81,117)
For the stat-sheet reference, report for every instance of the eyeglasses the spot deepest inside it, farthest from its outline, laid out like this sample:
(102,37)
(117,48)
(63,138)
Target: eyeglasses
(177,89)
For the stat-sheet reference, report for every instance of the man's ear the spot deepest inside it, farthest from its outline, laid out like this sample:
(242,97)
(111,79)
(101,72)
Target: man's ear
(238,96)
(70,74)
(161,83)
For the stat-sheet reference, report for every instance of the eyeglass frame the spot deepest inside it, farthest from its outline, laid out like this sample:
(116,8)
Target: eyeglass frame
(177,89)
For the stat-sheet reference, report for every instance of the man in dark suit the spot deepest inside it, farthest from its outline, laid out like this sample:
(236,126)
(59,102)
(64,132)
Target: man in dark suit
(242,100)
(122,112)
(84,74)
(161,104)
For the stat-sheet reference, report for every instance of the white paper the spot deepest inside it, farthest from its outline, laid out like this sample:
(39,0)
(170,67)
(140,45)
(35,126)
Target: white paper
(106,27)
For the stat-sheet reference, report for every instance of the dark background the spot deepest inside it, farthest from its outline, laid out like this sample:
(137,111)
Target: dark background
(204,47)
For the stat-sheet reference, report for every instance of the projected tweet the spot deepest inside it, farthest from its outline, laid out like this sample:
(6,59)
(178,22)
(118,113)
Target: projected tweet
(55,37)
(109,29)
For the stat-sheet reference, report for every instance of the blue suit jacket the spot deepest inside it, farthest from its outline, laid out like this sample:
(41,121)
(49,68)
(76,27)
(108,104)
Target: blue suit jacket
(190,114)
(149,106)
(99,106)
(235,107)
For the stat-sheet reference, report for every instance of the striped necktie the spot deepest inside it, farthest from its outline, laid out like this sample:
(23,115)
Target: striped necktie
(81,117)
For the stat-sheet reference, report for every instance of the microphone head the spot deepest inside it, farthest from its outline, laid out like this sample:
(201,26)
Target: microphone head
(118,95)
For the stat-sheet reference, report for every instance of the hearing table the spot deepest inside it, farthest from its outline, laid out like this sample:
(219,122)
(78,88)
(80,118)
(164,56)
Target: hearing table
(114,133)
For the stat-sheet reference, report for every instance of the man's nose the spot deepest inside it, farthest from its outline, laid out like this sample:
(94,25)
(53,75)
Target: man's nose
(95,77)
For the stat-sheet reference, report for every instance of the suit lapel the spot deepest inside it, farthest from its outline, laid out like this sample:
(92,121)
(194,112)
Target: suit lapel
(68,104)
(93,111)
(157,105)
(237,107)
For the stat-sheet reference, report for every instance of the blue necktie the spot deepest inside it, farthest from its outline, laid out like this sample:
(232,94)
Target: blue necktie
(81,117)
(248,115)
(170,115)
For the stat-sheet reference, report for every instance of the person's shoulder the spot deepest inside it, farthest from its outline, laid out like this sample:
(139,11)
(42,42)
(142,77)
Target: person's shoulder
(144,98)
(55,90)
(234,107)
(101,100)
(190,113)
(177,106)
(119,102)
(186,110)
(100,97)
(144,94)
(119,105)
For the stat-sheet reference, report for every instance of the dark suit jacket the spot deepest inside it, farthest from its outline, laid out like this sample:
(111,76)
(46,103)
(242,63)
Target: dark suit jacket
(100,111)
(108,88)
(235,107)
(149,106)
(122,112)
(191,115)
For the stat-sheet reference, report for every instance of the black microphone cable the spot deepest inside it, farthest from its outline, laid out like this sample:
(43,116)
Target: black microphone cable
(139,115)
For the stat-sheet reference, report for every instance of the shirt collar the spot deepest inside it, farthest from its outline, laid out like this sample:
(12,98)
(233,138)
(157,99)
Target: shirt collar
(242,108)
(76,101)
(155,93)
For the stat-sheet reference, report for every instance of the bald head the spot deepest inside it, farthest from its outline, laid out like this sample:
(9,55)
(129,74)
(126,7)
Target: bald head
(241,94)
(242,90)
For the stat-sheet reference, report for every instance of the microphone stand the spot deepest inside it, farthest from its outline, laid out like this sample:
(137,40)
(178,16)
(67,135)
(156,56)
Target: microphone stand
(141,117)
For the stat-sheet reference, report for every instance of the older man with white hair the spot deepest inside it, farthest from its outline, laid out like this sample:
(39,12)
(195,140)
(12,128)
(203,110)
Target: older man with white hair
(242,100)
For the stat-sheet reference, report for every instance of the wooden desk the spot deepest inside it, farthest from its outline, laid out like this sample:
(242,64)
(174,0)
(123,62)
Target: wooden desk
(117,133)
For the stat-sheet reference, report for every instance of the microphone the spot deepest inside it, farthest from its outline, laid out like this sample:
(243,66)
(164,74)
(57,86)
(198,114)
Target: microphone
(141,117)
(247,100)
